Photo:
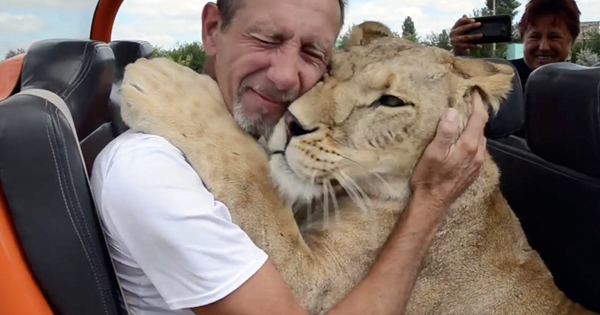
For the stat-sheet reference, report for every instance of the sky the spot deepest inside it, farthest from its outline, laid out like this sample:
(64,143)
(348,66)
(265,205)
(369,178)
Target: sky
(166,22)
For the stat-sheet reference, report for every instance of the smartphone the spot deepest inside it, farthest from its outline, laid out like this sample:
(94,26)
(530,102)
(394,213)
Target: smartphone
(495,29)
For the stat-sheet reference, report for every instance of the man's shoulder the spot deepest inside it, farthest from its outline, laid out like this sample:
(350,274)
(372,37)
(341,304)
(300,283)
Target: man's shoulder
(130,142)
(144,148)
(142,168)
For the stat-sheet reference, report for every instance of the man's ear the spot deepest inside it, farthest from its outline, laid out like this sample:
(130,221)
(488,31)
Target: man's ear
(211,22)
(365,32)
(493,80)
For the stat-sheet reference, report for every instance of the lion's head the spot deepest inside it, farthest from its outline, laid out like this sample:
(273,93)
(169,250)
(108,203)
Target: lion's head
(375,111)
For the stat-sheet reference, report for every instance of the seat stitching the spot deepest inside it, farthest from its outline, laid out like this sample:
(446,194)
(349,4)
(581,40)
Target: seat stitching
(82,224)
(83,71)
(62,189)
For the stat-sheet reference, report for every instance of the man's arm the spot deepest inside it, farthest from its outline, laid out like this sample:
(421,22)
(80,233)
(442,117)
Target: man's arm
(447,167)
(168,226)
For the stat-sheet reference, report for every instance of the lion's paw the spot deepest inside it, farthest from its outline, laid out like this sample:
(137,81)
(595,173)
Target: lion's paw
(162,89)
(163,81)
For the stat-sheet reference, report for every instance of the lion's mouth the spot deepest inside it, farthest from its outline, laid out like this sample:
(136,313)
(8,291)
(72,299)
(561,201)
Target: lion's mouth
(290,183)
(317,179)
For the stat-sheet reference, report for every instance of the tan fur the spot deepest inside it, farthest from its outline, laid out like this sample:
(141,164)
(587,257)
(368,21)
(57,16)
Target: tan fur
(365,32)
(480,262)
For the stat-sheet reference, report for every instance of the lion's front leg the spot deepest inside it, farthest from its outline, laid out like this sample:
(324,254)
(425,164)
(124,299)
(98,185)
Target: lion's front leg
(185,108)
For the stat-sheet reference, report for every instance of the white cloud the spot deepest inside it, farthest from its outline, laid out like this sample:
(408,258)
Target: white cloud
(48,4)
(428,15)
(434,16)
(164,22)
(160,22)
(164,9)
(20,24)
(590,9)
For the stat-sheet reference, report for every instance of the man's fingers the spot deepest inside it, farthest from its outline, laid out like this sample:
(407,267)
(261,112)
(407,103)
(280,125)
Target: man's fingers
(482,148)
(479,116)
(470,138)
(447,131)
(477,160)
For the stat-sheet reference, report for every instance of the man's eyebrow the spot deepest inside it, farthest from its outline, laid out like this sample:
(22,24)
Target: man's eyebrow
(268,29)
(317,46)
(263,28)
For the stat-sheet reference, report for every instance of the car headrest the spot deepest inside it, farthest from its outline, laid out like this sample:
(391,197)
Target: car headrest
(562,116)
(511,115)
(79,71)
(126,52)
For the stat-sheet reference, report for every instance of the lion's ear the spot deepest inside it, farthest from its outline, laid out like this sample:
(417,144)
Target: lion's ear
(493,80)
(365,32)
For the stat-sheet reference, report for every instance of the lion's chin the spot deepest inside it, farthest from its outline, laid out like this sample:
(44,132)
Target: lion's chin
(289,184)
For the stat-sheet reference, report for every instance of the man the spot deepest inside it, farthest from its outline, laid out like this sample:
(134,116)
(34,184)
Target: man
(175,248)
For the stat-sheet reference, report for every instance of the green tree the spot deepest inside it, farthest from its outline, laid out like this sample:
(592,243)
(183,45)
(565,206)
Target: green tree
(586,57)
(191,55)
(503,7)
(344,37)
(408,30)
(591,43)
(441,40)
(508,7)
(515,33)
(13,52)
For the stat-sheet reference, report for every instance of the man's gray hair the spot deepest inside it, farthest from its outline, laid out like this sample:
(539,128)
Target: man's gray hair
(228,8)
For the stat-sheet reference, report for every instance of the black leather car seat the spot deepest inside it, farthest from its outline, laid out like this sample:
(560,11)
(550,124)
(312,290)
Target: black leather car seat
(43,175)
(125,52)
(554,188)
(511,115)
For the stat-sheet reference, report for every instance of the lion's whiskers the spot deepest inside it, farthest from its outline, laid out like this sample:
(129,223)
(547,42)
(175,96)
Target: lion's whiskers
(336,207)
(364,196)
(325,204)
(377,175)
(311,204)
(356,193)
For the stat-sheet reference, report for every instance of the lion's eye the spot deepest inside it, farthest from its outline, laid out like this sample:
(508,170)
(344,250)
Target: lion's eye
(390,101)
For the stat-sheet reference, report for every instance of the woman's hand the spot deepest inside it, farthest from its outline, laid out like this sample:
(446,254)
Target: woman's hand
(462,43)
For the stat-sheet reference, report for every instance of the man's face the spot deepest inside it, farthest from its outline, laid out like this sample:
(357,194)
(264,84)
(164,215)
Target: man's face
(270,54)
(546,41)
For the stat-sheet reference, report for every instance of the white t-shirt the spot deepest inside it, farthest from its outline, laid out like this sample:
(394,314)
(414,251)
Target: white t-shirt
(173,245)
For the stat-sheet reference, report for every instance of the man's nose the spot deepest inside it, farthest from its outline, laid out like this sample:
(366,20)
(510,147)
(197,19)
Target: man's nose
(284,72)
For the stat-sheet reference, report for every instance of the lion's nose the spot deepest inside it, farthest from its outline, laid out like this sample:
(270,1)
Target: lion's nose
(294,127)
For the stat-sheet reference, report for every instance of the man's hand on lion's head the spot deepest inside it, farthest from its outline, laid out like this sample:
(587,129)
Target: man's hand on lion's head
(452,160)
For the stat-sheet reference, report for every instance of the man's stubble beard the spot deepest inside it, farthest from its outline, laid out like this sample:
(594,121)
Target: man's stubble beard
(255,127)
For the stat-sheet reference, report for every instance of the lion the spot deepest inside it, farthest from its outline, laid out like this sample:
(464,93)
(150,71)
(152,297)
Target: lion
(361,130)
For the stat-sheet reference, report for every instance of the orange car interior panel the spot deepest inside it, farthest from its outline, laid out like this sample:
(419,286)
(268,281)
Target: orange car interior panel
(10,70)
(20,292)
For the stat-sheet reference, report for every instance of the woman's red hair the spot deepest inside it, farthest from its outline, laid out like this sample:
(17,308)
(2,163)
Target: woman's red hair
(566,11)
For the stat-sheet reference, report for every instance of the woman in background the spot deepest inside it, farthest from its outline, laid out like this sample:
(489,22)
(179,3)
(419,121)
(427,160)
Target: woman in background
(548,29)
